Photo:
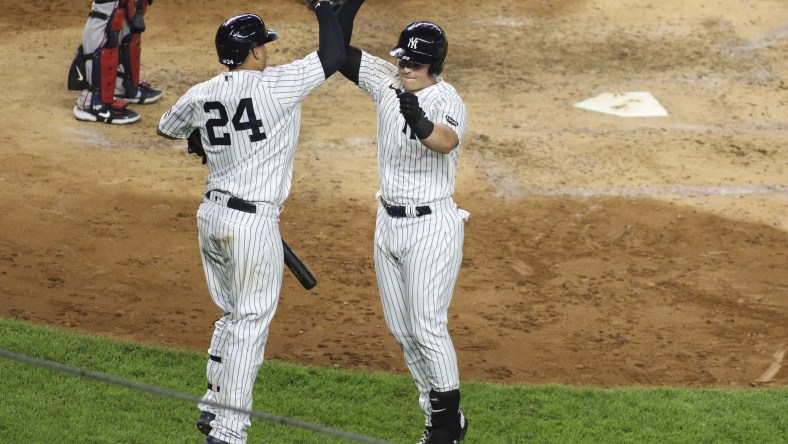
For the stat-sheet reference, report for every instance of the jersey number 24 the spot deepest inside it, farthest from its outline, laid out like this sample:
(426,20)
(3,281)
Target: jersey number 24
(245,109)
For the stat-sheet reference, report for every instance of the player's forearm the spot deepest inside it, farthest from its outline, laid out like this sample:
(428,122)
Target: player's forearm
(346,15)
(442,139)
(331,46)
(352,65)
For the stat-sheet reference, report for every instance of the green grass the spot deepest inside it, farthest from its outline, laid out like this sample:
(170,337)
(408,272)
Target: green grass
(43,406)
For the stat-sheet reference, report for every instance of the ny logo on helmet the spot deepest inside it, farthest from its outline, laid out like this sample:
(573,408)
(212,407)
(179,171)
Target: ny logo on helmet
(413,43)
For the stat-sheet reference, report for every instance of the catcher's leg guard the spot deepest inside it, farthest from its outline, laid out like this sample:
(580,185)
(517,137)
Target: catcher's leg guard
(135,12)
(105,62)
(131,45)
(77,73)
(130,51)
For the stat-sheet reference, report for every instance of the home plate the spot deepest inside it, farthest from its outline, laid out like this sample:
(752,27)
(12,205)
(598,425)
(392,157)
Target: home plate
(627,104)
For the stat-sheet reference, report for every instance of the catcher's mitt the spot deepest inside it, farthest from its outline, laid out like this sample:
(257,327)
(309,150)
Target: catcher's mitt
(194,146)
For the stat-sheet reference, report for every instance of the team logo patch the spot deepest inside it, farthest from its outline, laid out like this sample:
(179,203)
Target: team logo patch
(452,121)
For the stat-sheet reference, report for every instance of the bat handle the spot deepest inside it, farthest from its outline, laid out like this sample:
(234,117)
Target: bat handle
(298,268)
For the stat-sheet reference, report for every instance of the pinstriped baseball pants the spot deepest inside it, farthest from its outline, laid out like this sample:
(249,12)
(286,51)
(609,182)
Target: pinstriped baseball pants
(243,262)
(417,261)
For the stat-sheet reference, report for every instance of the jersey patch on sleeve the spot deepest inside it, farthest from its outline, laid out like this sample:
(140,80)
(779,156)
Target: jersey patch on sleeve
(451,121)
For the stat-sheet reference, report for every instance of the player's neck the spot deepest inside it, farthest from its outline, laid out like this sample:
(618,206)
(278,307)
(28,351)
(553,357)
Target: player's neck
(255,61)
(249,65)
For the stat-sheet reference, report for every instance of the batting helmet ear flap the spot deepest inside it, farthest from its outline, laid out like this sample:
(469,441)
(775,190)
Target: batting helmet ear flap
(424,43)
(437,68)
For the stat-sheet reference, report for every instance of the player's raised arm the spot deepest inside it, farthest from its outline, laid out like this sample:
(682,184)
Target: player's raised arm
(331,47)
(346,15)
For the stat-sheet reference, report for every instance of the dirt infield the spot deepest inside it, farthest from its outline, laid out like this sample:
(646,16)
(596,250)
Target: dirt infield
(601,250)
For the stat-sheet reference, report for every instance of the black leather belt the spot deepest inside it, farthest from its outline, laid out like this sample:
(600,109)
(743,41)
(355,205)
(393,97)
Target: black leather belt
(398,211)
(238,204)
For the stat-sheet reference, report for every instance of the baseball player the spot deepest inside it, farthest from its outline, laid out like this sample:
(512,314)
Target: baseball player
(106,68)
(248,120)
(419,229)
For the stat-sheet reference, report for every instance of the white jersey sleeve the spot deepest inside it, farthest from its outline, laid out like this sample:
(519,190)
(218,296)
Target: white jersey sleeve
(179,120)
(375,75)
(292,82)
(443,105)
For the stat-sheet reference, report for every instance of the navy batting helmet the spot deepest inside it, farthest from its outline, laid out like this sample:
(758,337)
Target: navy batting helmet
(424,43)
(238,35)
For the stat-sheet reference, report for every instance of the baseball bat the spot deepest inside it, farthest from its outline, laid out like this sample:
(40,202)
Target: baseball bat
(298,268)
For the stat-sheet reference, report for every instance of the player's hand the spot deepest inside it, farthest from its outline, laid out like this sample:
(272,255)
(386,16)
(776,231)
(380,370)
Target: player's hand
(409,107)
(194,146)
(414,115)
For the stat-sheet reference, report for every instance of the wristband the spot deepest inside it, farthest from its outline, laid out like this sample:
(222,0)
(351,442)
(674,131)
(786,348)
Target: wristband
(423,128)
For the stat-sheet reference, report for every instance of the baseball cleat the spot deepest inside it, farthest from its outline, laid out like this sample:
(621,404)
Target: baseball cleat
(425,437)
(443,435)
(463,427)
(145,94)
(116,114)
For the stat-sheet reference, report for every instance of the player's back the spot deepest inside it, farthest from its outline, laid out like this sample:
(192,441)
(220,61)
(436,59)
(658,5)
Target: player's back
(250,134)
(249,122)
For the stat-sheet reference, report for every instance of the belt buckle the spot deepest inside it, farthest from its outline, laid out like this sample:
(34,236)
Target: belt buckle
(215,196)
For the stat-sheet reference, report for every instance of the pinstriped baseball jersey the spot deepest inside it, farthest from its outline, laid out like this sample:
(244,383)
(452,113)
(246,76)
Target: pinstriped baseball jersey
(411,174)
(249,123)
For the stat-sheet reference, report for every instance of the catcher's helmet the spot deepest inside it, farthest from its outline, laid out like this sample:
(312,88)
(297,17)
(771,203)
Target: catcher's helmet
(424,43)
(238,35)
